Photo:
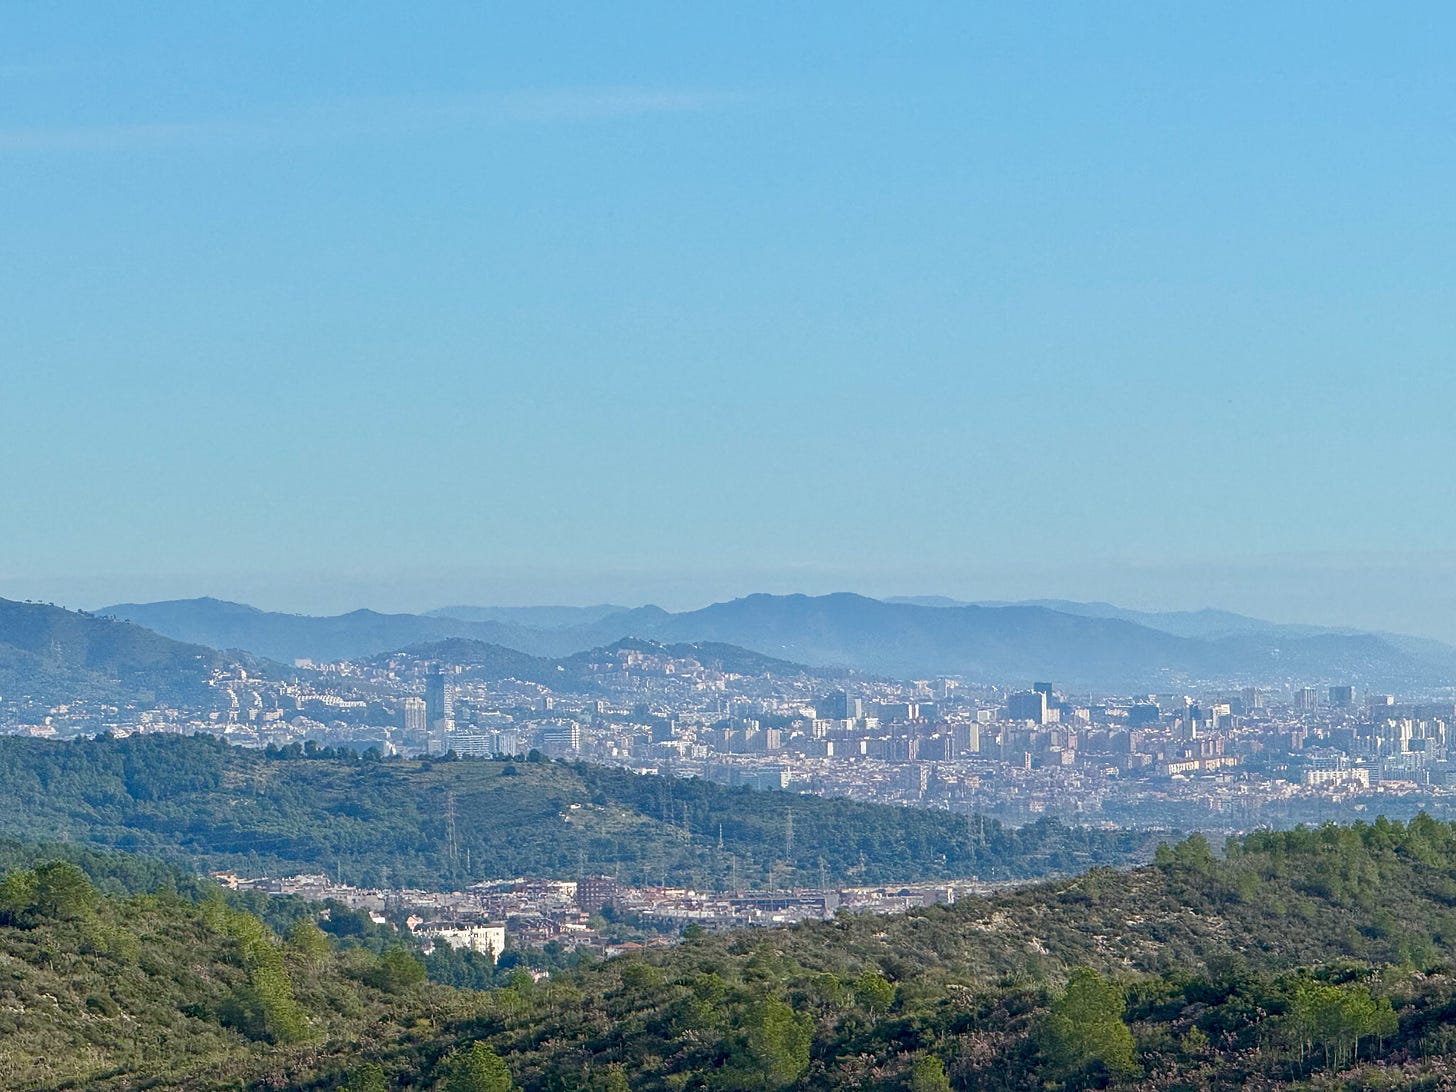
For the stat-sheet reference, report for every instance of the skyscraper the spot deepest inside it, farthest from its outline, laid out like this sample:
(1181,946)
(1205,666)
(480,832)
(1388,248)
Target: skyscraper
(1027,705)
(837,705)
(438,706)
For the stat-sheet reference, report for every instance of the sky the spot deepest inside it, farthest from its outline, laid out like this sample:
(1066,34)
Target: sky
(335,305)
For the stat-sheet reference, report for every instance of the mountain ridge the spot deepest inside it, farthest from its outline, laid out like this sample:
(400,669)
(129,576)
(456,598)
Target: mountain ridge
(51,655)
(492,662)
(1095,646)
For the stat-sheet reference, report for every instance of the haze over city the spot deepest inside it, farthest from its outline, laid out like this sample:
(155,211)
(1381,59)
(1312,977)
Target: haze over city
(648,305)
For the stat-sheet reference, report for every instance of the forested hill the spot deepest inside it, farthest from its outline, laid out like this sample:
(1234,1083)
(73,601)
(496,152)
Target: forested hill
(1309,959)
(198,800)
(50,655)
(170,990)
(1305,959)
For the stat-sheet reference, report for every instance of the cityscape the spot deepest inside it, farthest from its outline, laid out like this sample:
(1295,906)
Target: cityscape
(692,548)
(1222,761)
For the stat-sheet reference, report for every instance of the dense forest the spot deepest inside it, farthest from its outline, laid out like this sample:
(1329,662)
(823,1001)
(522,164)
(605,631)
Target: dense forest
(1312,959)
(283,811)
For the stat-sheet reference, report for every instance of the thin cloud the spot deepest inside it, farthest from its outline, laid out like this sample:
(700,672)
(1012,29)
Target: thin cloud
(368,118)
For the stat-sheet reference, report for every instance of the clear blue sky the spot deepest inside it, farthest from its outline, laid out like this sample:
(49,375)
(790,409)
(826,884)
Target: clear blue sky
(327,305)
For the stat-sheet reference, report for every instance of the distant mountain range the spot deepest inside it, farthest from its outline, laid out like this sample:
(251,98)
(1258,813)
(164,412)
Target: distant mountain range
(1210,624)
(364,633)
(540,617)
(289,637)
(50,655)
(1206,623)
(1084,645)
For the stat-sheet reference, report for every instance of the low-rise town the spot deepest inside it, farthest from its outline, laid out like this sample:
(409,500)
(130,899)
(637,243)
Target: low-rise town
(594,913)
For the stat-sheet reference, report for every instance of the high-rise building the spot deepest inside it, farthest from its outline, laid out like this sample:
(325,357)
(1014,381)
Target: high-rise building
(1027,705)
(559,739)
(414,714)
(967,738)
(1342,696)
(594,892)
(1144,712)
(837,705)
(439,701)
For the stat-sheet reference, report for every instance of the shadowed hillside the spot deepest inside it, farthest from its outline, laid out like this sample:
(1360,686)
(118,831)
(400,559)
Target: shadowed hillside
(54,655)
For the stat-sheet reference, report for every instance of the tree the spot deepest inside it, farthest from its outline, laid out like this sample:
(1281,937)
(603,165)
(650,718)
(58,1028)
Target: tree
(778,1042)
(396,972)
(638,976)
(62,891)
(17,896)
(1084,1031)
(928,1075)
(1193,852)
(873,991)
(827,990)
(367,1078)
(1336,1018)
(309,941)
(477,1068)
(283,1017)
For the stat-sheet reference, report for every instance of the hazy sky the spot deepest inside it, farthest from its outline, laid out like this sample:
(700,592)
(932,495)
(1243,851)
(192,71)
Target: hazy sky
(333,305)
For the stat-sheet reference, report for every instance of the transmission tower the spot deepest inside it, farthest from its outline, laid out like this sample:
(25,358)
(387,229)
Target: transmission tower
(451,846)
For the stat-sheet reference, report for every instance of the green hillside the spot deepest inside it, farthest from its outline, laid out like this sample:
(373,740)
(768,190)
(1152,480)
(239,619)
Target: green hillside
(372,822)
(1310,959)
(163,990)
(1306,959)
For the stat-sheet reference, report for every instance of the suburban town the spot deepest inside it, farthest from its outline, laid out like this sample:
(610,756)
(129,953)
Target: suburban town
(597,914)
